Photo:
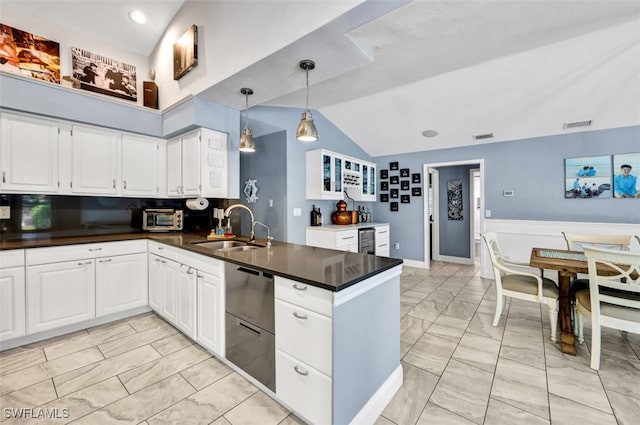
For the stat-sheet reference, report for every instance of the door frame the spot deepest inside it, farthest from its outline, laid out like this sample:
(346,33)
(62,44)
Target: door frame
(428,169)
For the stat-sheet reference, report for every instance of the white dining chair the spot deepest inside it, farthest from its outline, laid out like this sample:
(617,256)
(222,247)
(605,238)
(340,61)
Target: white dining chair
(577,242)
(611,301)
(519,284)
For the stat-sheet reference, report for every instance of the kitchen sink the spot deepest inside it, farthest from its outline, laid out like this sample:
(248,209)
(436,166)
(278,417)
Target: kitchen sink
(221,244)
(238,248)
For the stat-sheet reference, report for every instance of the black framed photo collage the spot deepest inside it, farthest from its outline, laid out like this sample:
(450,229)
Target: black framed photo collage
(395,181)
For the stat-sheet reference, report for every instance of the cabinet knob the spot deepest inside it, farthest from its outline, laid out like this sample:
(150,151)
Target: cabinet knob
(114,183)
(124,184)
(4,177)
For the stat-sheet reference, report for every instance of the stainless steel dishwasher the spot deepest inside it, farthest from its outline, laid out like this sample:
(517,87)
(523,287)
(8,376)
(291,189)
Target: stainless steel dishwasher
(250,329)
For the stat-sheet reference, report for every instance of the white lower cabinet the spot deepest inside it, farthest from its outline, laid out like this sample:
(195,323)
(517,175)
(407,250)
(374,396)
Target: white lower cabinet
(121,283)
(188,291)
(186,301)
(304,349)
(12,295)
(60,294)
(211,311)
(382,241)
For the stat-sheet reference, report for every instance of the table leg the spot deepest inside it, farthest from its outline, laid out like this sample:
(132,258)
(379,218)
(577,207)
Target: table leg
(567,339)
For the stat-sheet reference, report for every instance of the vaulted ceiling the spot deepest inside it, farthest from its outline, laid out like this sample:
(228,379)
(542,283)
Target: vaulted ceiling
(516,69)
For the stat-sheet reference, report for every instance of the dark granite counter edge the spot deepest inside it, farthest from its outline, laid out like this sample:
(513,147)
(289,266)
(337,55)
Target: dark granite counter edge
(170,239)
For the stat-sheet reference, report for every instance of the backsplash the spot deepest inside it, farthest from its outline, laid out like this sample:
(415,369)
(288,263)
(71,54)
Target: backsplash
(45,216)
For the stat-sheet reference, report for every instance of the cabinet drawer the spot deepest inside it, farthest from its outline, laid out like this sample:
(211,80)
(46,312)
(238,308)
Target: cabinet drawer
(303,295)
(12,258)
(303,388)
(57,254)
(163,250)
(304,335)
(346,238)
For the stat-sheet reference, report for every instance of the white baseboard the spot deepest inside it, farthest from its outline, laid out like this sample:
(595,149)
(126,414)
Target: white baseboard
(414,263)
(457,260)
(376,404)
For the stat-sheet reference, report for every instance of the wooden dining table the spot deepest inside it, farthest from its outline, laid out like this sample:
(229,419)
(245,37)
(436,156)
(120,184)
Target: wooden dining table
(568,264)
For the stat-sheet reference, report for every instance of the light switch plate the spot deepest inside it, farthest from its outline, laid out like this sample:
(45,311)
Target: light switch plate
(297,212)
(5,212)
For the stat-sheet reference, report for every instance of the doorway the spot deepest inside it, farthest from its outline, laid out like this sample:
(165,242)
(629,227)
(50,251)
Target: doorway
(433,205)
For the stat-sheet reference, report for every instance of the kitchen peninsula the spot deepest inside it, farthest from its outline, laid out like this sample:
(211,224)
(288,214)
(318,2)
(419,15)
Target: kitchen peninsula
(337,313)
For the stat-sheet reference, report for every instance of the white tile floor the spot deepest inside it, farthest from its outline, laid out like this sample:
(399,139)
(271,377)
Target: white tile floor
(458,369)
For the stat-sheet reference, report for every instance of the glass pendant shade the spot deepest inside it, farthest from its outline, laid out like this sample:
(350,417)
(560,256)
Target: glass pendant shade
(307,131)
(246,141)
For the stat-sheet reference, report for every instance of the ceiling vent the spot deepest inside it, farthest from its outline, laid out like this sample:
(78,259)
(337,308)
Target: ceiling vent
(576,124)
(483,136)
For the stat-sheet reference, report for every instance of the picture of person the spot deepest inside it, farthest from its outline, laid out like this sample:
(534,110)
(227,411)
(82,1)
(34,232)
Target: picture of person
(624,184)
(588,177)
(8,50)
(90,72)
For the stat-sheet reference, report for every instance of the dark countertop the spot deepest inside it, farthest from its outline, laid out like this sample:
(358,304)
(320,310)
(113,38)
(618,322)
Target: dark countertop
(324,268)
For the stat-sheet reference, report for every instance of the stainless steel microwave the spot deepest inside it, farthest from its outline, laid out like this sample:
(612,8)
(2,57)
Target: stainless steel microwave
(162,220)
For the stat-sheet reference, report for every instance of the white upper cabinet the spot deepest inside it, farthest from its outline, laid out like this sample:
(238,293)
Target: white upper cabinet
(197,165)
(95,160)
(141,158)
(329,174)
(28,154)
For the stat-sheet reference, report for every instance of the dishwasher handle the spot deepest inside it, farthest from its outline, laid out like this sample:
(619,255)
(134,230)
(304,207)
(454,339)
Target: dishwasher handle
(250,271)
(247,326)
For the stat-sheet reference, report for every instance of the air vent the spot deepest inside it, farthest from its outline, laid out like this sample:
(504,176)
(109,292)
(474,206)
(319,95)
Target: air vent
(576,124)
(482,136)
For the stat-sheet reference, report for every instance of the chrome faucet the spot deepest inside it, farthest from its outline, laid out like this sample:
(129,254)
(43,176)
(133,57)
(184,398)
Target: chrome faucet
(269,238)
(252,236)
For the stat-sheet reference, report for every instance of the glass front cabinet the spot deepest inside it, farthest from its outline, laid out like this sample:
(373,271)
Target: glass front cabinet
(329,174)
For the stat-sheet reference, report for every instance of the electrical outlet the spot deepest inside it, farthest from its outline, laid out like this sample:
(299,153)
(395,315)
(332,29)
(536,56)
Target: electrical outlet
(5,212)
(396,245)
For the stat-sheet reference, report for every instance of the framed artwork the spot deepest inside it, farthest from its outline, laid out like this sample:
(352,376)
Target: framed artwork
(29,55)
(384,197)
(454,200)
(416,191)
(393,206)
(626,183)
(100,74)
(394,165)
(405,199)
(394,193)
(185,53)
(587,177)
(384,185)
(404,172)
(404,185)
(395,180)
(384,174)
(415,178)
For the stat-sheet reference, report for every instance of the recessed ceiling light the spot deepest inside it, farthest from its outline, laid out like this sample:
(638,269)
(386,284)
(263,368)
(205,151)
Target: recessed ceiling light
(430,133)
(137,17)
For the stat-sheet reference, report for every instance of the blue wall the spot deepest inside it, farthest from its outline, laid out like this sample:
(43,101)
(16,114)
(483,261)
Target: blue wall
(267,165)
(455,235)
(533,168)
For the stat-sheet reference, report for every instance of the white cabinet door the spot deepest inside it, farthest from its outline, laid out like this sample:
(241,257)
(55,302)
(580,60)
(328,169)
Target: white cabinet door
(155,282)
(186,302)
(95,160)
(324,175)
(169,288)
(214,162)
(12,303)
(191,164)
(210,312)
(382,241)
(60,294)
(28,154)
(121,283)
(174,167)
(140,164)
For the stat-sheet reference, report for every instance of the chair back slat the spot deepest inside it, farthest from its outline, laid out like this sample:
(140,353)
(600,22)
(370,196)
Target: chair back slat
(491,240)
(577,241)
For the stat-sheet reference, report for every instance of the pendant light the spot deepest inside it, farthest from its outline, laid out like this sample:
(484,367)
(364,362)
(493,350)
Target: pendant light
(307,131)
(246,139)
